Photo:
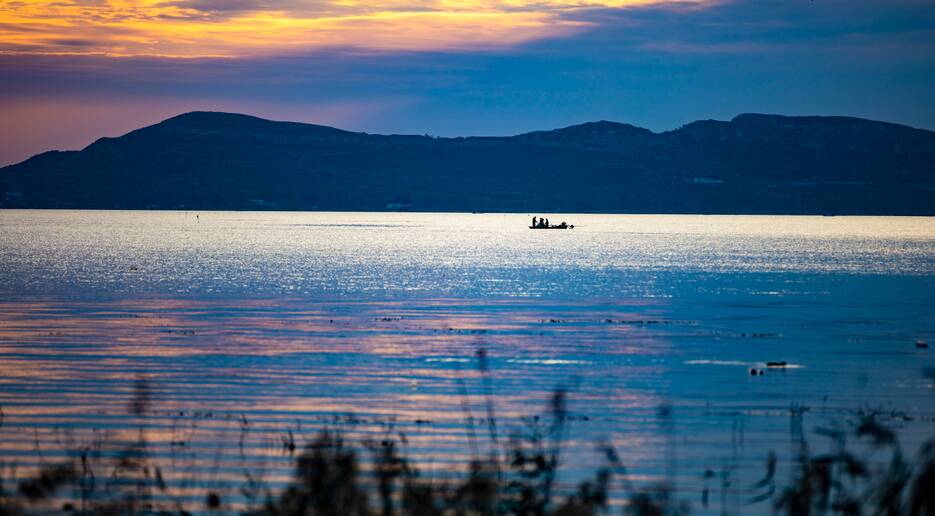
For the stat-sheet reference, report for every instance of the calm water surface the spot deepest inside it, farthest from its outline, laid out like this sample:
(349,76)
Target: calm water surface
(250,325)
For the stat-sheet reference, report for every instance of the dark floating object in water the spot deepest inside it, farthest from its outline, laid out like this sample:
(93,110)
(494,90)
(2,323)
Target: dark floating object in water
(553,227)
(921,344)
(756,372)
(781,363)
(213,501)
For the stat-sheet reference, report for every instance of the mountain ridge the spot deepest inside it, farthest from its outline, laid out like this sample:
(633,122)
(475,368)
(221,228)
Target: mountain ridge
(754,163)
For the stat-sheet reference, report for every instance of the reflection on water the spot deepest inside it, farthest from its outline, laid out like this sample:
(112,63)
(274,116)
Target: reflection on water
(249,326)
(436,255)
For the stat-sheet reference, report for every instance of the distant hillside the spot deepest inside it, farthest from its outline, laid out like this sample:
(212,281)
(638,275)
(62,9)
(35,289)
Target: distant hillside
(751,164)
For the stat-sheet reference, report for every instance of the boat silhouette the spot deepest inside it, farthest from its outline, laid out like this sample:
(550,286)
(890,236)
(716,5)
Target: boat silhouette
(560,226)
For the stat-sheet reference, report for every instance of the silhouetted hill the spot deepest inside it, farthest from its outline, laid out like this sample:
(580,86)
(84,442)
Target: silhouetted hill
(603,134)
(751,164)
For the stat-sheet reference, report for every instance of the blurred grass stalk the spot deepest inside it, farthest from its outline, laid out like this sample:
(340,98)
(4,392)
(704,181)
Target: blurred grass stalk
(516,477)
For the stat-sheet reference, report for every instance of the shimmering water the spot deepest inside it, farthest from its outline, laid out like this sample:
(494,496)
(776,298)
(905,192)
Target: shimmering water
(279,322)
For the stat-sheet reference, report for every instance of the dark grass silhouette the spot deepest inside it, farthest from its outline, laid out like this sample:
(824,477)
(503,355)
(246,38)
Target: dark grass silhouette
(841,482)
(334,476)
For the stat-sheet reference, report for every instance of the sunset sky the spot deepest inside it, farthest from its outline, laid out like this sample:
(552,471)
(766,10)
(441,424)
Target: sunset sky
(75,70)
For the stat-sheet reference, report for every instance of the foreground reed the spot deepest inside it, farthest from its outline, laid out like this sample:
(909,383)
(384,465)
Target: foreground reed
(516,476)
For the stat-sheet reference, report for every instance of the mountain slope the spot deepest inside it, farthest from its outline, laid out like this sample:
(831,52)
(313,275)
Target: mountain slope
(751,164)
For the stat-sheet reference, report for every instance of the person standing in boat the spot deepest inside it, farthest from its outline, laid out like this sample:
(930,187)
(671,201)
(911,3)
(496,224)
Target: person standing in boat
(533,221)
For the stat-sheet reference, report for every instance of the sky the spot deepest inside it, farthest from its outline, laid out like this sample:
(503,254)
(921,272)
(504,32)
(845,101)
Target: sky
(72,71)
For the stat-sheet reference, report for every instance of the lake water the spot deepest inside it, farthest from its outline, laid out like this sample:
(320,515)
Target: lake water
(249,326)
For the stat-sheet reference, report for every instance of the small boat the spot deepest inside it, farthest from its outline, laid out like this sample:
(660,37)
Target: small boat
(553,227)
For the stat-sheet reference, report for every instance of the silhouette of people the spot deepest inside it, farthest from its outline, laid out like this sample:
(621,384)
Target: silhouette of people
(543,223)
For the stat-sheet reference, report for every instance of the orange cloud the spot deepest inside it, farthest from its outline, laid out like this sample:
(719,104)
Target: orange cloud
(230,28)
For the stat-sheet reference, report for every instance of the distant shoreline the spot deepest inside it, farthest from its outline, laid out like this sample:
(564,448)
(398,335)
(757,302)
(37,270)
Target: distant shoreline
(752,164)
